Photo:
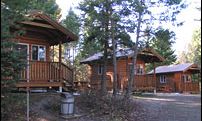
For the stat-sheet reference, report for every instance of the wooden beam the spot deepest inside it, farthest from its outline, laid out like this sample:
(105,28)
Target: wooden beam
(35,36)
(37,24)
(58,37)
(38,84)
(45,33)
(41,32)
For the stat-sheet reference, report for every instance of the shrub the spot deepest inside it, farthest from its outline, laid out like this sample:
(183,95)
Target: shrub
(108,107)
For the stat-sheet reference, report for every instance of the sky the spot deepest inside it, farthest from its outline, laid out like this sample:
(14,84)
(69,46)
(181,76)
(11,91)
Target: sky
(183,33)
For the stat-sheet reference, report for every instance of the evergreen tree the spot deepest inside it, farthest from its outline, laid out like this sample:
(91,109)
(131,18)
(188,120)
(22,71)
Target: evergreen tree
(97,28)
(193,54)
(194,48)
(142,14)
(162,44)
(47,6)
(72,22)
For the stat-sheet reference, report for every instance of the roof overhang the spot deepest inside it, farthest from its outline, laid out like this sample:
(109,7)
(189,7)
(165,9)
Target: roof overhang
(147,54)
(193,68)
(41,25)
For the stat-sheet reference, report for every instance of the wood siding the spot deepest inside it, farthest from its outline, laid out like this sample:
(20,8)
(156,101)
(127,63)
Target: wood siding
(174,83)
(169,83)
(141,81)
(31,41)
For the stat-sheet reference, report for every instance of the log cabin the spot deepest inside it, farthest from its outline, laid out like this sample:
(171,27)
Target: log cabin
(41,35)
(142,81)
(178,78)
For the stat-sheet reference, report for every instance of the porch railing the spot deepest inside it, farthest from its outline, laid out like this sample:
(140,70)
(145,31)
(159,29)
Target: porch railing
(190,86)
(47,71)
(144,81)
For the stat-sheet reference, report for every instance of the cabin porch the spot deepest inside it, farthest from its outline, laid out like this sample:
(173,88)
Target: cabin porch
(190,87)
(141,83)
(144,83)
(46,74)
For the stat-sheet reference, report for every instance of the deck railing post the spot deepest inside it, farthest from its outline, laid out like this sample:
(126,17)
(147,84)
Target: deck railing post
(155,78)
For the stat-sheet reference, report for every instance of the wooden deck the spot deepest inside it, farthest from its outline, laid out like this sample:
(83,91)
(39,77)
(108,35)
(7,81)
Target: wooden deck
(46,74)
(144,83)
(39,84)
(192,87)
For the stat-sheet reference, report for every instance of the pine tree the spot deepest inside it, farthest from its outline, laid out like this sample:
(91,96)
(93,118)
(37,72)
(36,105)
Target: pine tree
(194,48)
(143,15)
(97,29)
(162,44)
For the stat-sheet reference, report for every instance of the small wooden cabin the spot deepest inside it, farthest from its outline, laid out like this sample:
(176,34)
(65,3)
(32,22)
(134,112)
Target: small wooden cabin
(41,35)
(124,62)
(178,78)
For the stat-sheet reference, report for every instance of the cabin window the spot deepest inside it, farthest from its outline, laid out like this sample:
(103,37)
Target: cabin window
(38,52)
(100,69)
(162,79)
(186,78)
(23,50)
(140,69)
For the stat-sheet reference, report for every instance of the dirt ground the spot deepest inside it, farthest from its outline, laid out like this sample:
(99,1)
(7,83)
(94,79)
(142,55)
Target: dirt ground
(172,107)
(160,107)
(46,107)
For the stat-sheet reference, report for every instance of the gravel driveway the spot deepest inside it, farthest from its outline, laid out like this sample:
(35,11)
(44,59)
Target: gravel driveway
(171,107)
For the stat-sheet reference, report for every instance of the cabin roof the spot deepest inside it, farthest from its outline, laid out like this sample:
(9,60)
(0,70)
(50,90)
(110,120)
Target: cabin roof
(41,25)
(147,54)
(176,68)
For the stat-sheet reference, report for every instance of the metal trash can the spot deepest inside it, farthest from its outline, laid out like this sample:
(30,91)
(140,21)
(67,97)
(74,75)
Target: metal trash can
(67,103)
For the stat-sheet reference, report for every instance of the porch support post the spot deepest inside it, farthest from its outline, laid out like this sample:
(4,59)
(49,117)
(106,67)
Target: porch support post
(53,53)
(60,59)
(155,77)
(184,83)
(60,51)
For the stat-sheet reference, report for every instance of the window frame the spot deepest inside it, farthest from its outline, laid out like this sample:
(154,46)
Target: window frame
(137,69)
(162,79)
(100,69)
(27,48)
(186,78)
(38,52)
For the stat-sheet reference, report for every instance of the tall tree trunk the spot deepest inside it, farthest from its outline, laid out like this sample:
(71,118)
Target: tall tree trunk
(106,46)
(134,58)
(103,81)
(114,59)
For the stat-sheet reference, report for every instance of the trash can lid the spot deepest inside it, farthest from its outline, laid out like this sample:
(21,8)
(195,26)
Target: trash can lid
(66,94)
(76,94)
